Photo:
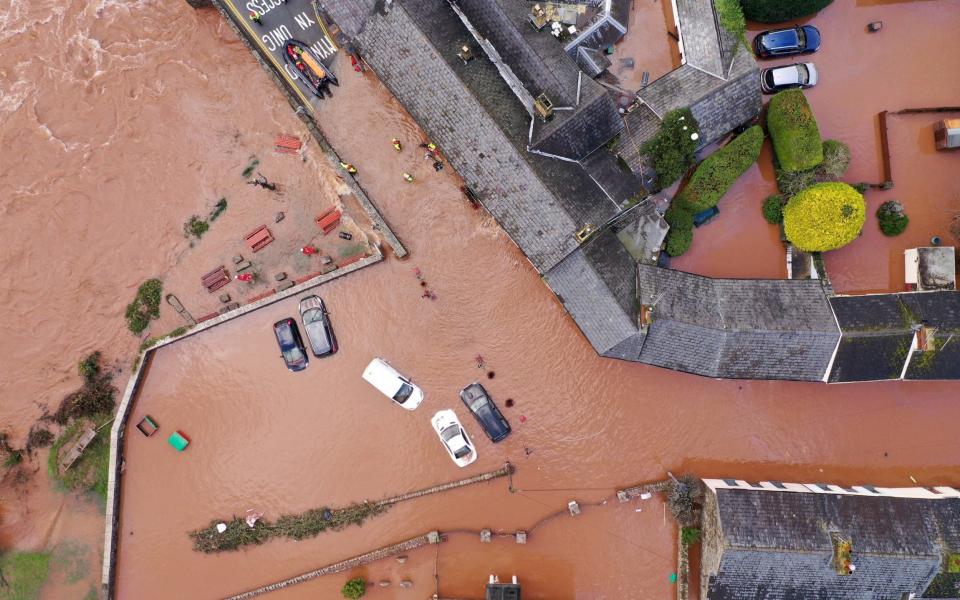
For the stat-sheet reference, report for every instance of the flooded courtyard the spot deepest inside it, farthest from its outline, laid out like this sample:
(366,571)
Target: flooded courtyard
(285,442)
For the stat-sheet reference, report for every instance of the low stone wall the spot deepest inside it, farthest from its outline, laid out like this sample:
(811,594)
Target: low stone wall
(133,385)
(432,537)
(305,114)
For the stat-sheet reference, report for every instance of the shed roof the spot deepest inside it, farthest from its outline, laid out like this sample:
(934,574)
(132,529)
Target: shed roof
(937,268)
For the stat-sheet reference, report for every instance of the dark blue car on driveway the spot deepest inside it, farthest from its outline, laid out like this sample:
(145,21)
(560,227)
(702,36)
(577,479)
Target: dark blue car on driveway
(787,42)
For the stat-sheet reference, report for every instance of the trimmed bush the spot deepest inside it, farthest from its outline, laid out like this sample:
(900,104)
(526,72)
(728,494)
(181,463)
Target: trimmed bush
(773,209)
(680,235)
(716,174)
(794,132)
(824,217)
(775,11)
(672,148)
(836,159)
(891,217)
(355,588)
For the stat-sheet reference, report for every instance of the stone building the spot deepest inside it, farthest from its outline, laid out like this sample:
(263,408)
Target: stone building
(787,541)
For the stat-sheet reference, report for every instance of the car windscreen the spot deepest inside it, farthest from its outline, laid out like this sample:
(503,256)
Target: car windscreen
(403,394)
(463,451)
(285,335)
(478,404)
(803,74)
(801,38)
(293,355)
(312,315)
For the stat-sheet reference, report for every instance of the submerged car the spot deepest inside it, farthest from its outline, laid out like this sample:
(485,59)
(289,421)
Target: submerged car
(787,42)
(798,75)
(486,412)
(392,384)
(316,324)
(291,344)
(454,437)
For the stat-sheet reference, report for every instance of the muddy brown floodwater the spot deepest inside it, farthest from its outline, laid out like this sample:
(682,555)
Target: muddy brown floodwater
(141,115)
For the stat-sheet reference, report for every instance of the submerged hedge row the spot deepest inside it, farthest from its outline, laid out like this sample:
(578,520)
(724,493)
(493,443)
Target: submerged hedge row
(775,11)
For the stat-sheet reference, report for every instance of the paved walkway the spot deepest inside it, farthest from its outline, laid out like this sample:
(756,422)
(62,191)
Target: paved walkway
(280,21)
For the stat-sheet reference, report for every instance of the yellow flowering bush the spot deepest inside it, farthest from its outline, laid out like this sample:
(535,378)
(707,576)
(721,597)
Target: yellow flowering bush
(824,217)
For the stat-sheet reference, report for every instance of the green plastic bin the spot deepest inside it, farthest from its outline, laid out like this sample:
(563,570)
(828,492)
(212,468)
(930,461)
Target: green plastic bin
(178,441)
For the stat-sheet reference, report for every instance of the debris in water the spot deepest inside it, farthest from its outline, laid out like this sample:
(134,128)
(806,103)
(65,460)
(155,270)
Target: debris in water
(221,527)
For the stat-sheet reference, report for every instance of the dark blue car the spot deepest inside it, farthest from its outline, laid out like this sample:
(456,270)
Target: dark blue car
(291,344)
(787,42)
(486,412)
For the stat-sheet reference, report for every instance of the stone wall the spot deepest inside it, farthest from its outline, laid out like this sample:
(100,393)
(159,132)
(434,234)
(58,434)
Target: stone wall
(711,540)
(118,429)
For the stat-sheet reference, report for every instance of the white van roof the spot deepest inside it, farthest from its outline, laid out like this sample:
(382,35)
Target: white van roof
(383,377)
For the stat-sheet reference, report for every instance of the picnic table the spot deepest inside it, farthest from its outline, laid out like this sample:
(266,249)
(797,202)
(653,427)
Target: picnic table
(329,220)
(215,279)
(259,238)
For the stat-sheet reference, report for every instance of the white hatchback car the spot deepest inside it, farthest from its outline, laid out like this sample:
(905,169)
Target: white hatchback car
(454,437)
(392,384)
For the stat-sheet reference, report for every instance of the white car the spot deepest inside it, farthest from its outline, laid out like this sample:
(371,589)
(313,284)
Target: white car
(392,384)
(798,75)
(454,437)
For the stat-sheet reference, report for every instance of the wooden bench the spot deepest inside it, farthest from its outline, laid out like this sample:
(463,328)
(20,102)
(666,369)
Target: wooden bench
(287,144)
(215,279)
(259,238)
(329,220)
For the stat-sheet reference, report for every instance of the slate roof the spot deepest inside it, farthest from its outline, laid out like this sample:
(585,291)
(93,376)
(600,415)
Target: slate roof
(473,115)
(937,268)
(538,60)
(700,36)
(597,286)
(777,545)
(605,29)
(349,15)
(619,184)
(591,61)
(878,329)
(739,329)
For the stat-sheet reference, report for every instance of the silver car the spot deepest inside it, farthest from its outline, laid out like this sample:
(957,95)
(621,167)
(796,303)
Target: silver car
(316,324)
(798,75)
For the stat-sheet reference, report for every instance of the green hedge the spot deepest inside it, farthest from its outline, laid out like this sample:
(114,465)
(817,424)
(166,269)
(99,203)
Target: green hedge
(824,217)
(775,11)
(773,209)
(794,132)
(836,159)
(680,235)
(717,173)
(672,149)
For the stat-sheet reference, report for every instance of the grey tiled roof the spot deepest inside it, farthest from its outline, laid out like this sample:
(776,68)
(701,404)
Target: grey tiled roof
(731,105)
(536,57)
(640,125)
(878,329)
(473,116)
(777,545)
(758,575)
(700,34)
(619,184)
(591,61)
(596,288)
(605,29)
(743,329)
(575,134)
(349,15)
(870,356)
(679,88)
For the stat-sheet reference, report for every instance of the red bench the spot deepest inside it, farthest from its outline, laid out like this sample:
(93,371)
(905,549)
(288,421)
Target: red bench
(215,279)
(259,238)
(329,220)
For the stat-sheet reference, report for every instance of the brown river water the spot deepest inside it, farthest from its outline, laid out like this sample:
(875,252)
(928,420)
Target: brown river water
(142,114)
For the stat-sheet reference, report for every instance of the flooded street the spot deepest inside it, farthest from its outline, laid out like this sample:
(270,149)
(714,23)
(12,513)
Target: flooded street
(146,113)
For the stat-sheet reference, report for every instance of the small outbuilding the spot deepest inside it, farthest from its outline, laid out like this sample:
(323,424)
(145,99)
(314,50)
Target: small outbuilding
(929,269)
